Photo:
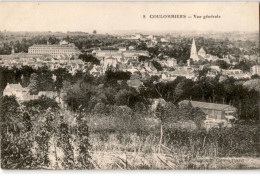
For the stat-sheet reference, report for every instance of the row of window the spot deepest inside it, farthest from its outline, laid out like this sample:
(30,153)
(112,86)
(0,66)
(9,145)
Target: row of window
(51,51)
(67,48)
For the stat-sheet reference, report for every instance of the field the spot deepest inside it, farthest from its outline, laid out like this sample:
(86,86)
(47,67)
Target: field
(131,150)
(71,140)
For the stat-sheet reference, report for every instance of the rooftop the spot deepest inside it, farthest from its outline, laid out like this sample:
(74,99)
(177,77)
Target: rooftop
(52,46)
(202,50)
(206,105)
(15,86)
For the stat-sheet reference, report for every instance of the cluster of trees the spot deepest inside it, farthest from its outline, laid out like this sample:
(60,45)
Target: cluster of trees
(109,91)
(215,90)
(90,41)
(88,92)
(89,58)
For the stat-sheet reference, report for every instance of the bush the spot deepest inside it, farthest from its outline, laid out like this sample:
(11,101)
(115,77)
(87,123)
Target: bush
(100,108)
(42,103)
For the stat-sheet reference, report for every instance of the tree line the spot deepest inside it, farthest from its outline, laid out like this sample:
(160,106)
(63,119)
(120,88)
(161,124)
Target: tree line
(87,91)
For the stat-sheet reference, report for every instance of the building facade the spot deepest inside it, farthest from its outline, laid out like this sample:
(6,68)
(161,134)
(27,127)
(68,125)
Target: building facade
(55,50)
(255,70)
(213,110)
(22,93)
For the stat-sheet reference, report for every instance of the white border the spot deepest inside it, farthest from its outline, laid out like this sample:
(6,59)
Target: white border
(128,173)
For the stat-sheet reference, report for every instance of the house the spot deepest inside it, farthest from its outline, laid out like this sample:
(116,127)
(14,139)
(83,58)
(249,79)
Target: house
(109,62)
(226,59)
(168,62)
(106,53)
(96,71)
(122,48)
(17,90)
(232,71)
(213,110)
(209,57)
(22,94)
(185,72)
(134,54)
(236,73)
(215,68)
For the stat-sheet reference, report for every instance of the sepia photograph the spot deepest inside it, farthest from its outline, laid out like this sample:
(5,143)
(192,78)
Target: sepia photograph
(129,86)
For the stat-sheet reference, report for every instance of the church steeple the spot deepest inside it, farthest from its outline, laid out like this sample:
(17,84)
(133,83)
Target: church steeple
(193,51)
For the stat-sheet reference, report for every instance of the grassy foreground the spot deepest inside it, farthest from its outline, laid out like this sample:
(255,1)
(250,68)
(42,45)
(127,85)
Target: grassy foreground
(68,140)
(181,149)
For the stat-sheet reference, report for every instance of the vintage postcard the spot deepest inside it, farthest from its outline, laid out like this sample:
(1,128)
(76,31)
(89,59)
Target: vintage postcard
(129,85)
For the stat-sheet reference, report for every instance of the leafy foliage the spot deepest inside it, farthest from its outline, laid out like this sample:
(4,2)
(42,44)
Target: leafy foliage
(89,58)
(42,103)
(41,139)
(157,65)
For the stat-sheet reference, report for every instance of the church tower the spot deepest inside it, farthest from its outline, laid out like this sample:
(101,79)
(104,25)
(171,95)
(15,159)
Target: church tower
(193,51)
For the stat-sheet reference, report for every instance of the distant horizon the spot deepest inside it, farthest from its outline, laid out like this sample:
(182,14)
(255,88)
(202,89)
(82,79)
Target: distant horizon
(129,31)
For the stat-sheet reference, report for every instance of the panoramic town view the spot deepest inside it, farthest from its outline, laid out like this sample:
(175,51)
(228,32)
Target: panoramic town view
(130,99)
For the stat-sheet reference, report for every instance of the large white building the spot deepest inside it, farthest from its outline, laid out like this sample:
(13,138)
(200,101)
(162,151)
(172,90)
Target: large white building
(55,51)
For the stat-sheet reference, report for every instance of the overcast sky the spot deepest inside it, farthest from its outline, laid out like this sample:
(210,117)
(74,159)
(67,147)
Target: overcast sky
(114,16)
